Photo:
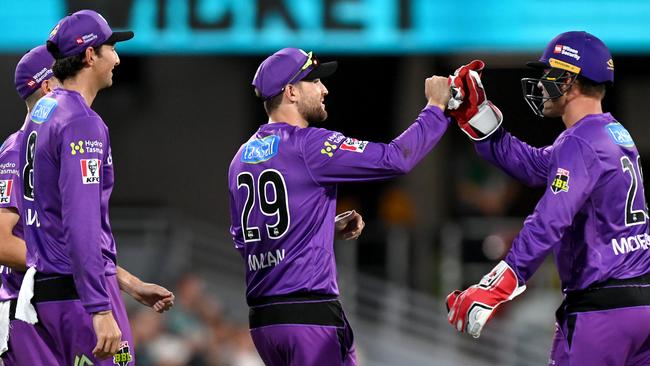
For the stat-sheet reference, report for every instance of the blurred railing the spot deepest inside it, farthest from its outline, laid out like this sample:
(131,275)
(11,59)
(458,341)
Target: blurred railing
(393,325)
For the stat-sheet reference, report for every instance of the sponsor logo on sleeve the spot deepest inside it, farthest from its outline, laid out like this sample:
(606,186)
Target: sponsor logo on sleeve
(328,149)
(5,190)
(86,146)
(90,171)
(336,138)
(355,145)
(9,168)
(259,150)
(43,110)
(561,181)
(619,134)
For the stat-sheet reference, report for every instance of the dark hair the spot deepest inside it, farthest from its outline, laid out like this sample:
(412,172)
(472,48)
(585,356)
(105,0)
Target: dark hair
(591,88)
(67,67)
(272,103)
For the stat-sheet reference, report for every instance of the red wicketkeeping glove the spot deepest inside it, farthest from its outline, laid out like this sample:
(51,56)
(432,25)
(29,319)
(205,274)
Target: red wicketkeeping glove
(469,310)
(475,115)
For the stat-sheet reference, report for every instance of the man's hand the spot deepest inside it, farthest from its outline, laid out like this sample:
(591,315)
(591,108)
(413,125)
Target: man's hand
(148,294)
(154,296)
(436,89)
(108,334)
(348,225)
(469,310)
(475,115)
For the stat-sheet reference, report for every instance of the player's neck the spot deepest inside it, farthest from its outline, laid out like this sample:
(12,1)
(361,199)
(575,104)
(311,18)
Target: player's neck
(83,86)
(289,116)
(579,108)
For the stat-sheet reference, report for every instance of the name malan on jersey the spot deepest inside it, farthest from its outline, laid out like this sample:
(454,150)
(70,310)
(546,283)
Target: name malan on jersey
(631,243)
(265,260)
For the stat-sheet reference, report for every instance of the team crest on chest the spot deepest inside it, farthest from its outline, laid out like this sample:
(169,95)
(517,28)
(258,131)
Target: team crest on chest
(561,181)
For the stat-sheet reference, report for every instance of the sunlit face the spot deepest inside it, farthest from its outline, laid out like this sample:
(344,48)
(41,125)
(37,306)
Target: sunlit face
(104,65)
(311,105)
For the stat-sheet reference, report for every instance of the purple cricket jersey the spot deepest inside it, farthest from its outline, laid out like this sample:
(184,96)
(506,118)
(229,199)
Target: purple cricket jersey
(10,197)
(593,215)
(282,186)
(68,169)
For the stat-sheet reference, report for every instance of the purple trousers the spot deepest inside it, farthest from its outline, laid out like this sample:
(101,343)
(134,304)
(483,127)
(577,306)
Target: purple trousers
(306,330)
(26,347)
(614,337)
(301,345)
(70,334)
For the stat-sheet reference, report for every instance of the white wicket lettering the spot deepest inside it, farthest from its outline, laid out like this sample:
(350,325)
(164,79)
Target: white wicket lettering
(630,244)
(32,218)
(265,260)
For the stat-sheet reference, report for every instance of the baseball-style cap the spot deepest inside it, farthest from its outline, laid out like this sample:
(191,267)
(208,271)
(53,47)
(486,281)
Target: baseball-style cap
(32,70)
(581,53)
(80,30)
(287,66)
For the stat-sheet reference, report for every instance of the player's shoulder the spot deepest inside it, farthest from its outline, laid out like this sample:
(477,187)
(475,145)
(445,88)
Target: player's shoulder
(62,107)
(12,144)
(318,136)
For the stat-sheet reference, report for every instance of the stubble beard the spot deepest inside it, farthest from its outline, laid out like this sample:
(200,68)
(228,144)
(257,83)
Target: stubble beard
(312,112)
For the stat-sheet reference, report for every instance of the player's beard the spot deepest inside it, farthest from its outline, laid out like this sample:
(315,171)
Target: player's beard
(312,111)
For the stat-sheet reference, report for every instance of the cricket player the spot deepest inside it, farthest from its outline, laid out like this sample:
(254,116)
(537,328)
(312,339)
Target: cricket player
(593,215)
(66,163)
(33,79)
(283,184)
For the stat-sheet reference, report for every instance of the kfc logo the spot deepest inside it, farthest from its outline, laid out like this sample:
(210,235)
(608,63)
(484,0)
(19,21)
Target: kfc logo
(5,191)
(355,145)
(90,171)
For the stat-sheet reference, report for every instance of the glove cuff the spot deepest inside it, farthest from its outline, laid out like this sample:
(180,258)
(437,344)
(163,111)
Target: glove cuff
(485,121)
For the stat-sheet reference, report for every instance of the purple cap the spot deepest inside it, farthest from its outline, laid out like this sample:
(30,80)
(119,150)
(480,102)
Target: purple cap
(32,70)
(78,31)
(580,53)
(287,66)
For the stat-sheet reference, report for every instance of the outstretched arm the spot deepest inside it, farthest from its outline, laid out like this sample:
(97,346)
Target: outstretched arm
(527,164)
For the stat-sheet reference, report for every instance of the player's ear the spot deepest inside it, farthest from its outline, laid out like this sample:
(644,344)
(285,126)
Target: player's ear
(89,56)
(46,87)
(291,92)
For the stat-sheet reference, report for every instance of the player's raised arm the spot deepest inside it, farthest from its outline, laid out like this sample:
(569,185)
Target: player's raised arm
(332,157)
(481,121)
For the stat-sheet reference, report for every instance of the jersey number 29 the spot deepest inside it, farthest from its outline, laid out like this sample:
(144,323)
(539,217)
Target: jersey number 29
(278,207)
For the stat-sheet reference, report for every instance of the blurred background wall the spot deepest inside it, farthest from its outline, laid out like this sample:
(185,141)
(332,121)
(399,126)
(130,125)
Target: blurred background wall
(182,104)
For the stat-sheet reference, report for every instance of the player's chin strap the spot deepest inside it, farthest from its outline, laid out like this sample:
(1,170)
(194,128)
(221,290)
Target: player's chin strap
(470,310)
(24,309)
